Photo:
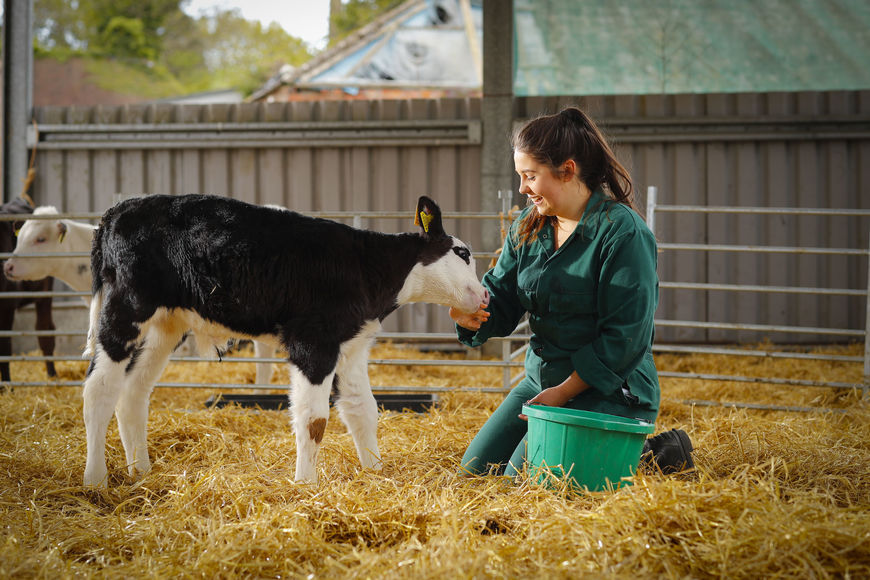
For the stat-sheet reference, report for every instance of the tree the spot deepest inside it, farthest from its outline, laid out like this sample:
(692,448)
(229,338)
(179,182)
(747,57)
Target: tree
(58,25)
(218,50)
(355,14)
(242,53)
(102,19)
(125,37)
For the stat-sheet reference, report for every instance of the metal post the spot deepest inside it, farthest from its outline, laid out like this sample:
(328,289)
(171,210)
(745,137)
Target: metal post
(866,385)
(17,92)
(505,197)
(497,109)
(651,200)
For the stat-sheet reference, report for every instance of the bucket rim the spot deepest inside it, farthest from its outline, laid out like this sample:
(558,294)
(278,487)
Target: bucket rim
(588,419)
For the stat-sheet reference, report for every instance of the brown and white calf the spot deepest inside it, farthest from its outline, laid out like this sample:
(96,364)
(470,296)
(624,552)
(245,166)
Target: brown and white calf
(163,265)
(54,236)
(8,306)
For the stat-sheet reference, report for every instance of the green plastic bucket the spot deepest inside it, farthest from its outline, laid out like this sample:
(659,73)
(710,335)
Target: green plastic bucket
(594,450)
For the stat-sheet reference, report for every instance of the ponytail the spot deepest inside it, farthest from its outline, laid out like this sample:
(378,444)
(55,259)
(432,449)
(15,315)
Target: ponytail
(571,134)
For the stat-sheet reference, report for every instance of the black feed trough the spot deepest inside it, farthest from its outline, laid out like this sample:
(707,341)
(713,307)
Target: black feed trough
(418,403)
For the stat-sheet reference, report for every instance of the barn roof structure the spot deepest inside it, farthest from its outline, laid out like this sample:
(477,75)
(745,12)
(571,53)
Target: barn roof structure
(432,45)
(586,47)
(571,47)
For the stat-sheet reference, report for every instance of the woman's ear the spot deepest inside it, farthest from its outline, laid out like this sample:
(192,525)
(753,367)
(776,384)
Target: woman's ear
(569,170)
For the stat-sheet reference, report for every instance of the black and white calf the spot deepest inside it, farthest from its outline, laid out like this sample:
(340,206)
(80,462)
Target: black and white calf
(8,306)
(50,236)
(163,265)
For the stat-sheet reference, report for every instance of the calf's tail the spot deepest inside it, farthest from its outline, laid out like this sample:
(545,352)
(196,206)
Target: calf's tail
(93,324)
(96,296)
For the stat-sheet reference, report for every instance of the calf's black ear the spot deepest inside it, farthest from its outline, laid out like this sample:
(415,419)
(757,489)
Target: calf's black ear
(428,217)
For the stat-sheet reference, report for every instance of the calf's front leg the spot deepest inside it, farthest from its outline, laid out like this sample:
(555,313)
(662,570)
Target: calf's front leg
(358,408)
(264,370)
(7,317)
(45,322)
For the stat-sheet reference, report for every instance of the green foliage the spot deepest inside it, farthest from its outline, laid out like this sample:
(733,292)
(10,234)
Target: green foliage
(58,26)
(242,53)
(357,13)
(158,41)
(125,37)
(119,76)
(101,18)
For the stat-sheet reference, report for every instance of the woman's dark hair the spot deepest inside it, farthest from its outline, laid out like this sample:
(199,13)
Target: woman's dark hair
(554,139)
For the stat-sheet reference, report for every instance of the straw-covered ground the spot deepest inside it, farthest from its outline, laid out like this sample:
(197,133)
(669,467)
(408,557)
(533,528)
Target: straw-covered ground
(774,494)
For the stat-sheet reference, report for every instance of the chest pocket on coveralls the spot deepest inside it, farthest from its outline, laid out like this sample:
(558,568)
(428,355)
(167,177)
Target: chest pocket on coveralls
(575,314)
(527,299)
(573,303)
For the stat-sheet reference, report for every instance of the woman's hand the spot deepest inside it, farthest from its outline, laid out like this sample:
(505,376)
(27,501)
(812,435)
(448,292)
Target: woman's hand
(552,397)
(560,394)
(471,321)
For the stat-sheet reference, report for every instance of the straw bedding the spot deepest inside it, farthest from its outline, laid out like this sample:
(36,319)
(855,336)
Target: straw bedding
(774,494)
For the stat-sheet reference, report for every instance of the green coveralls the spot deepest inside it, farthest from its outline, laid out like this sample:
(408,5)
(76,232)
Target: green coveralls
(591,305)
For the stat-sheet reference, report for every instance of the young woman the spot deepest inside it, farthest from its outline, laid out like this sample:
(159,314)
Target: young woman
(582,263)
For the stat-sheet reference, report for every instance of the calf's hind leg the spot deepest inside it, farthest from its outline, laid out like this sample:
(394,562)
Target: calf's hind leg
(131,409)
(101,391)
(309,405)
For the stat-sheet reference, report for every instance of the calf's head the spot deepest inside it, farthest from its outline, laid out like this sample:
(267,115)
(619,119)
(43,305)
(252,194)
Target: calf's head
(445,272)
(36,236)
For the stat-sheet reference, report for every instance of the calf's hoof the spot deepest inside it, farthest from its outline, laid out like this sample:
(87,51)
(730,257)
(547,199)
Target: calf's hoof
(96,480)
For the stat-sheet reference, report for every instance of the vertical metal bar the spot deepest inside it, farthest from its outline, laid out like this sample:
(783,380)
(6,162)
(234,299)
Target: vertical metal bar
(506,370)
(17,93)
(866,384)
(651,195)
(496,109)
(505,197)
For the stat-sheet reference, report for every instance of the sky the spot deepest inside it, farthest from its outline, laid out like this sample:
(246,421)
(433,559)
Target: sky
(305,19)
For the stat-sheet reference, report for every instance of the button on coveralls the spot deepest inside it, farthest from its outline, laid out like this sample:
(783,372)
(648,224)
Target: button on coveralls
(591,305)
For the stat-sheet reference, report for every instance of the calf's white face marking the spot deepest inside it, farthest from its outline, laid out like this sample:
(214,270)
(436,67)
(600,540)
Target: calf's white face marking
(451,280)
(35,236)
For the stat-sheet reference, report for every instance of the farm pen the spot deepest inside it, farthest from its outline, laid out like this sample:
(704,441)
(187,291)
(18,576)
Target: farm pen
(509,360)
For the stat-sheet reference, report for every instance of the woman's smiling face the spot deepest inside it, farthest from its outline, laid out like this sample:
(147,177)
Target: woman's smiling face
(546,190)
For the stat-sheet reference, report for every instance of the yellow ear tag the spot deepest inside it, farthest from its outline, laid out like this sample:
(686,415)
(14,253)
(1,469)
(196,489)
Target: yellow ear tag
(60,237)
(425,219)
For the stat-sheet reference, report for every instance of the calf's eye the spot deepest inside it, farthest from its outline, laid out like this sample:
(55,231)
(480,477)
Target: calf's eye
(463,253)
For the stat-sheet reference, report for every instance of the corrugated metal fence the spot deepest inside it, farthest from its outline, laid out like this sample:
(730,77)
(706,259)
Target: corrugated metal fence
(760,150)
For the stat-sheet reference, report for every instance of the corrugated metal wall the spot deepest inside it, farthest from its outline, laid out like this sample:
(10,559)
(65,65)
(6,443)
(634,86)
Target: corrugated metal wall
(323,156)
(777,149)
(770,149)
